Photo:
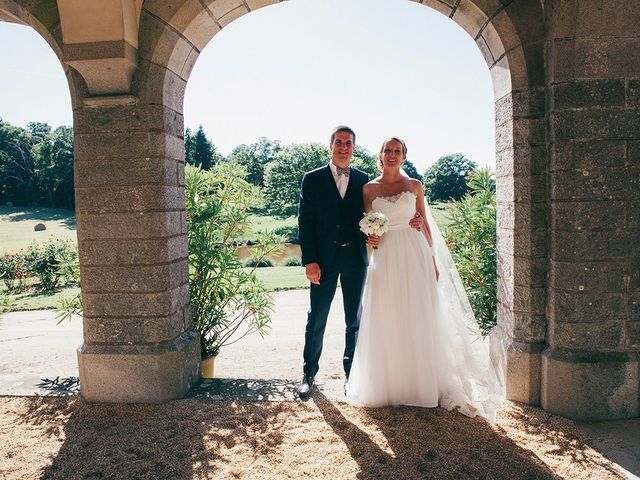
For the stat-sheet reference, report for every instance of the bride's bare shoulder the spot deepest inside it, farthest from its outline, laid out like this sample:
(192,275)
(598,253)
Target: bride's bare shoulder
(372,185)
(415,186)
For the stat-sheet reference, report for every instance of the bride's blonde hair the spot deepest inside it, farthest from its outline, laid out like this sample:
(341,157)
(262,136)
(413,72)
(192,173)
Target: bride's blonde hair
(392,139)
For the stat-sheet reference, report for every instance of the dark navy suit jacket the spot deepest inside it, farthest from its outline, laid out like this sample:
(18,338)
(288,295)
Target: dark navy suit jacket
(325,220)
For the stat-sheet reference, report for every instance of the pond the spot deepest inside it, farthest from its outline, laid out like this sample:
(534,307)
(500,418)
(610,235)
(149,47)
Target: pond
(290,250)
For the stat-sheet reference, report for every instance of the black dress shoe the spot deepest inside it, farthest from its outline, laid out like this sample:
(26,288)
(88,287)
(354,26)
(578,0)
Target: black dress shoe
(305,387)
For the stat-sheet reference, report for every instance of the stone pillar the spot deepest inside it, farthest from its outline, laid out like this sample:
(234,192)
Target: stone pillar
(590,370)
(522,235)
(139,345)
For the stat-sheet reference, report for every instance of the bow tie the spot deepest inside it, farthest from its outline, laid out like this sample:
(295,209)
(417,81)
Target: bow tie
(343,171)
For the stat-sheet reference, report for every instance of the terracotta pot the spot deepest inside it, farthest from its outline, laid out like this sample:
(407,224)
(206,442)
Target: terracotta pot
(206,367)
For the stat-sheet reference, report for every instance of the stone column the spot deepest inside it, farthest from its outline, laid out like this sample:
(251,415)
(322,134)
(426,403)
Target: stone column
(590,370)
(522,235)
(139,345)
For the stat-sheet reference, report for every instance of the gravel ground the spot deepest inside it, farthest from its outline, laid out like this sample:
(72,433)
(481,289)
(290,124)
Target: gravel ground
(68,438)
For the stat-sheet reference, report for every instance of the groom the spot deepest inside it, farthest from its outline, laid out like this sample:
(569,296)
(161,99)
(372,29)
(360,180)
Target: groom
(332,245)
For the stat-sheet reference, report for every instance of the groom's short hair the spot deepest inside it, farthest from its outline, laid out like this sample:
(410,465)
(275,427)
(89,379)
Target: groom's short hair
(342,128)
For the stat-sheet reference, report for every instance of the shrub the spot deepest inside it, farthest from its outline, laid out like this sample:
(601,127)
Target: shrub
(48,261)
(228,301)
(292,262)
(290,232)
(258,262)
(5,303)
(471,237)
(14,269)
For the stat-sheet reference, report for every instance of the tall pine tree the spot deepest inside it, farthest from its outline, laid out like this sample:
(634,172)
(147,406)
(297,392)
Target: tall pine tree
(199,151)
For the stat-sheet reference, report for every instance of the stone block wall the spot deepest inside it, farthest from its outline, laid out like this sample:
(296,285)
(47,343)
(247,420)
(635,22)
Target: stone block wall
(129,170)
(590,369)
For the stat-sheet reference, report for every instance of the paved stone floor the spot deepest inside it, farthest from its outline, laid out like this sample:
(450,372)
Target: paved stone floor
(38,357)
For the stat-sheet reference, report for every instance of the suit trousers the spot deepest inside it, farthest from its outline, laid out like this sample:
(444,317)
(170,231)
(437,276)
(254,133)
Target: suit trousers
(352,273)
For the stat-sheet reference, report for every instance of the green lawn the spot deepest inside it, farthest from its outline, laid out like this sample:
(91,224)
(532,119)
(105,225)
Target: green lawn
(439,212)
(33,299)
(261,222)
(16,226)
(283,278)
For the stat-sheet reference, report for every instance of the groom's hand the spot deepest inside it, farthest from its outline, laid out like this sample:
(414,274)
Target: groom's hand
(416,221)
(313,272)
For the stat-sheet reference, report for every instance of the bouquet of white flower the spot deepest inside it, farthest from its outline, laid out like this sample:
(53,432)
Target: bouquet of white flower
(374,223)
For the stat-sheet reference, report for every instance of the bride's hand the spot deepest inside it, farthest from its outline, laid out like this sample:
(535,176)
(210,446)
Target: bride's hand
(416,221)
(373,241)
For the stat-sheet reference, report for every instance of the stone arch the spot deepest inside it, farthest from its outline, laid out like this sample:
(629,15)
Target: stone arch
(567,116)
(510,37)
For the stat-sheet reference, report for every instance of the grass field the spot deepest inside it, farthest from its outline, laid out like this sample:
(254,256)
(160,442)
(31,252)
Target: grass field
(16,226)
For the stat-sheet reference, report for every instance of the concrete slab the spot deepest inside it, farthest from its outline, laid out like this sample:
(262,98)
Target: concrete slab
(619,441)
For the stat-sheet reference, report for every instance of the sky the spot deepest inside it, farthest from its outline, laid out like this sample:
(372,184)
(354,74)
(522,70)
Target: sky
(294,70)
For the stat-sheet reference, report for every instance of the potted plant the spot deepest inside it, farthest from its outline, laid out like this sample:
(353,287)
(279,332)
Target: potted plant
(228,301)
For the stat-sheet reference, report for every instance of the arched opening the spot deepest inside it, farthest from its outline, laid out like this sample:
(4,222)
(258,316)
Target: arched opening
(38,244)
(509,38)
(375,78)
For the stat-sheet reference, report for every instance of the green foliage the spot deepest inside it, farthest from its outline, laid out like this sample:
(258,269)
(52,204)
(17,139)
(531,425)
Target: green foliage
(228,301)
(284,175)
(471,237)
(17,170)
(14,270)
(363,160)
(410,169)
(199,151)
(5,303)
(292,262)
(53,160)
(289,232)
(259,262)
(36,165)
(52,262)
(68,307)
(447,178)
(254,158)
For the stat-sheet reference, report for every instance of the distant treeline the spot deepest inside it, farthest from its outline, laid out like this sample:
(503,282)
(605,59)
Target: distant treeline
(36,167)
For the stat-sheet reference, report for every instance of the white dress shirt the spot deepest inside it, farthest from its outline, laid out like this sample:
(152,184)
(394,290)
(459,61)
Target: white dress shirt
(342,181)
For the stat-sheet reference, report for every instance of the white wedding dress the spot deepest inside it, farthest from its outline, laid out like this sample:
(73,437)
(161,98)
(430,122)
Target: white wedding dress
(418,342)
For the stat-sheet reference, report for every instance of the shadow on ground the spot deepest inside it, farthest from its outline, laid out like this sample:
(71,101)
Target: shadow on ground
(16,214)
(432,443)
(200,438)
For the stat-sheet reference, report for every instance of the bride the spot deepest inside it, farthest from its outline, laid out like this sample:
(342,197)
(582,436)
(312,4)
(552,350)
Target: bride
(418,342)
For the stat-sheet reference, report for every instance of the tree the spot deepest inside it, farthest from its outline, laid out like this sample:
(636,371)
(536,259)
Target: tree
(410,169)
(189,147)
(363,160)
(53,160)
(284,175)
(38,130)
(255,157)
(199,151)
(447,178)
(17,170)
